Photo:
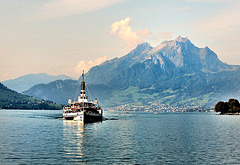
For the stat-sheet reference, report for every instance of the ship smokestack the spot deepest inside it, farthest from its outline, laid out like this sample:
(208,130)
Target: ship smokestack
(83,82)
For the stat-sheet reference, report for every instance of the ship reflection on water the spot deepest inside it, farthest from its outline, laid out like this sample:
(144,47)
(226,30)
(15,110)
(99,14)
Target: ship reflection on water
(74,139)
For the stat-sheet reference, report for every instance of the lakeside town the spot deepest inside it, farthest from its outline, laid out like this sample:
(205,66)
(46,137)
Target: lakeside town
(158,107)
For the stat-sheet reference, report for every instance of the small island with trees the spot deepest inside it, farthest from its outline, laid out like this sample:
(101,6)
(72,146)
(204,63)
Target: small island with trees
(232,107)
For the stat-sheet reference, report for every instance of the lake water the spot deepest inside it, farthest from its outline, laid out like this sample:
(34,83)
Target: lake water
(40,137)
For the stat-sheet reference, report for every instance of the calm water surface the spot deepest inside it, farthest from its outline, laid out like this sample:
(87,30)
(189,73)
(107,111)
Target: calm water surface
(40,137)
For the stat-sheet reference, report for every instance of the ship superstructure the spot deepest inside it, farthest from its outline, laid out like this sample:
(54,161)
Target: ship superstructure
(83,109)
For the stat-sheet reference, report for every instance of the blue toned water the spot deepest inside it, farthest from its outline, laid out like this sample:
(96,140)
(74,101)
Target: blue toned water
(40,137)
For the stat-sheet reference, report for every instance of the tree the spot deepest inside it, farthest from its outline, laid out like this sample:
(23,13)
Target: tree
(43,106)
(233,105)
(221,107)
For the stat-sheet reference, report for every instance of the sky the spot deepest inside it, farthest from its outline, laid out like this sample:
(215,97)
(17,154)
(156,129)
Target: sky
(67,36)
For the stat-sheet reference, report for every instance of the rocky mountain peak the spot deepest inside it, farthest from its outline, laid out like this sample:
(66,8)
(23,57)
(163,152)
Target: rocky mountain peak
(138,53)
(181,39)
(142,47)
(179,44)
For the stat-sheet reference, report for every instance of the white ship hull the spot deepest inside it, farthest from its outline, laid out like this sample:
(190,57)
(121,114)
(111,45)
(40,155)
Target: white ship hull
(83,116)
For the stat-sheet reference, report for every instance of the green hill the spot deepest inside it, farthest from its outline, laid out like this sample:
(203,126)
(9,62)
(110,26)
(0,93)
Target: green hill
(10,99)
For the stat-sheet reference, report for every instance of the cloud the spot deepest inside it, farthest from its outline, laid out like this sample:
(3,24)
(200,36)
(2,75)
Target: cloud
(124,31)
(144,34)
(59,8)
(87,65)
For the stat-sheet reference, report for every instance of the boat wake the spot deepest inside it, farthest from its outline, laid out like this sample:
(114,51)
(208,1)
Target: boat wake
(109,118)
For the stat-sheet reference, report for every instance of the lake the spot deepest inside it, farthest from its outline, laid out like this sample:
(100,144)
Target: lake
(42,137)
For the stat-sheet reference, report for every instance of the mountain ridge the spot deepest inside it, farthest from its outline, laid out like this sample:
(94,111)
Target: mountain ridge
(175,72)
(172,58)
(25,82)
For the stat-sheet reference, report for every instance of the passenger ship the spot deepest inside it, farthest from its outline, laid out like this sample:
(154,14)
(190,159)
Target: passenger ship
(83,110)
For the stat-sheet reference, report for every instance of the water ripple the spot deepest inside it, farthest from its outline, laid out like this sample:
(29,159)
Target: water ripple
(40,137)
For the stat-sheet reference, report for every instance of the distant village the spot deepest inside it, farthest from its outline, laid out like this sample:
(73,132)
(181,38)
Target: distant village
(157,107)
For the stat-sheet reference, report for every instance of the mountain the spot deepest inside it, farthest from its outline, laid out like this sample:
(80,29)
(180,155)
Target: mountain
(175,72)
(10,99)
(61,90)
(27,81)
(146,66)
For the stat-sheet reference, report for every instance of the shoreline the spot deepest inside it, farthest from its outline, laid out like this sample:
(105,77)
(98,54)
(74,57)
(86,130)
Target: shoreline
(230,113)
